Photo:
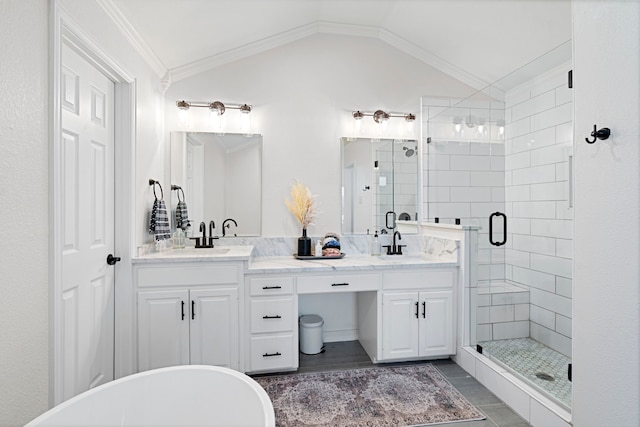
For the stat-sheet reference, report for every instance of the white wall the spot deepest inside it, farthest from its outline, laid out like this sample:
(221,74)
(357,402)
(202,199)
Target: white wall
(539,251)
(24,147)
(606,299)
(24,330)
(303,94)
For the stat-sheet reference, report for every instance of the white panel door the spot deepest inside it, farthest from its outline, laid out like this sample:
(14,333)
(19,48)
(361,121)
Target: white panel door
(215,327)
(400,325)
(87,182)
(436,323)
(163,329)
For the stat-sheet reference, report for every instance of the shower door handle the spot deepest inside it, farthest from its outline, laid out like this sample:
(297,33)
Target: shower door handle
(504,228)
(392,215)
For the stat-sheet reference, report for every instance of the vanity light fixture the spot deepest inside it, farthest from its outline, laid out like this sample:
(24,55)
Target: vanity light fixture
(215,106)
(380,116)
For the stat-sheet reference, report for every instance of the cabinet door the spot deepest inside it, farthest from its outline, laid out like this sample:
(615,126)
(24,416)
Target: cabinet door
(436,323)
(163,329)
(214,327)
(400,325)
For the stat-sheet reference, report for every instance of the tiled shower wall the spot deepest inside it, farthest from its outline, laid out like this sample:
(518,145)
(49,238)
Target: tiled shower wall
(463,173)
(539,133)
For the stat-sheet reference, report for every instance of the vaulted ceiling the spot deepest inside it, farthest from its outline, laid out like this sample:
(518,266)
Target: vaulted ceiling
(476,41)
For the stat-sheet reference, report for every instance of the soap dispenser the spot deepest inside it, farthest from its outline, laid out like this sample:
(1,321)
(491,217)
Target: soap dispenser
(376,248)
(318,251)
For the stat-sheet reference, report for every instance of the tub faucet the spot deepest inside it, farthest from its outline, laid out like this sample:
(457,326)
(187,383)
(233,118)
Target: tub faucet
(225,225)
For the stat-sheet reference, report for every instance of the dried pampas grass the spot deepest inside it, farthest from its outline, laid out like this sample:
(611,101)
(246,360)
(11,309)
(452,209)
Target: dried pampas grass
(301,204)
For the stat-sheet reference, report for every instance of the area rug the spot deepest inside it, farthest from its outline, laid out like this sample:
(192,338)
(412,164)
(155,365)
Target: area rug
(414,395)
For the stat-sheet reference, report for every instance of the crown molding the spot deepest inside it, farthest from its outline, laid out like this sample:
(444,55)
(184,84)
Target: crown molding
(132,36)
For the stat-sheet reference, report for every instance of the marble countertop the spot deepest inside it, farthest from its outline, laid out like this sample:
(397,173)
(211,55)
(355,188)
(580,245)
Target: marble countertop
(191,254)
(289,264)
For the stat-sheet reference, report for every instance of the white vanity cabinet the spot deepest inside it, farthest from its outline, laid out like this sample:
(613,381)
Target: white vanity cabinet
(188,314)
(272,323)
(417,314)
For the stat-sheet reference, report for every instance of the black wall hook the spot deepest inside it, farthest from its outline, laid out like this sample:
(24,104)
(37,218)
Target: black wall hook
(598,134)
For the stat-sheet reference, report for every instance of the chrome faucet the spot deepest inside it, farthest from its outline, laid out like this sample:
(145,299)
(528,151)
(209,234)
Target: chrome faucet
(225,225)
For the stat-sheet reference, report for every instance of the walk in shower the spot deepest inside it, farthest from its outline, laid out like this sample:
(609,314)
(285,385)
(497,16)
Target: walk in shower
(502,159)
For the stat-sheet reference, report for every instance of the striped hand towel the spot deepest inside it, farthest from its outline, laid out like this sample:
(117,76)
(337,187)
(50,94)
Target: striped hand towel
(159,221)
(182,216)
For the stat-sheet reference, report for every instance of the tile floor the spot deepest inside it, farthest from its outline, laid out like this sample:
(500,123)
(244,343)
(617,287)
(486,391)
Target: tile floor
(350,354)
(527,357)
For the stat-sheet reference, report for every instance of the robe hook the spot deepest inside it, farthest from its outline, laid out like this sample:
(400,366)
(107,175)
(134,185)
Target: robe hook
(598,134)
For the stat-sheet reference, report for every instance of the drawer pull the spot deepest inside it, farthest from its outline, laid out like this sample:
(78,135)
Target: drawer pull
(272,287)
(339,284)
(277,353)
(277,316)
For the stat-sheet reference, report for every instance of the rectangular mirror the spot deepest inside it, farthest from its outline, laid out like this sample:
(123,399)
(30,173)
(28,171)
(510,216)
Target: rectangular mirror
(221,177)
(379,185)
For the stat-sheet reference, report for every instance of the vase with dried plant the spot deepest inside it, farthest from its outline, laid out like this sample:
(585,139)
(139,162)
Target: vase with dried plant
(302,207)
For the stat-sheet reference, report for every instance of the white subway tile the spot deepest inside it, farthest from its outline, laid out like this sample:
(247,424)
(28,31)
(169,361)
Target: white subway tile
(552,339)
(497,163)
(485,209)
(470,163)
(480,149)
(550,190)
(534,175)
(547,155)
(564,133)
(542,317)
(563,325)
(450,147)
(484,256)
(497,271)
(483,333)
(450,210)
(563,95)
(508,330)
(497,194)
(562,229)
(484,272)
(481,178)
(551,265)
(535,105)
(553,117)
(532,140)
(483,315)
(520,225)
(517,258)
(508,178)
(498,179)
(522,312)
(564,248)
(518,128)
(550,301)
(518,193)
(484,300)
(501,313)
(534,209)
(510,298)
(438,161)
(471,194)
(550,82)
(518,160)
(562,171)
(449,178)
(497,255)
(437,194)
(564,287)
(563,211)
(534,279)
(534,244)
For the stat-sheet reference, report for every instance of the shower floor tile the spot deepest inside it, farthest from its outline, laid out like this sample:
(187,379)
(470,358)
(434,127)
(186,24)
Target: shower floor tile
(527,357)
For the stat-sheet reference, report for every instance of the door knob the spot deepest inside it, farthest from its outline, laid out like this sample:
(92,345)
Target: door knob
(111,260)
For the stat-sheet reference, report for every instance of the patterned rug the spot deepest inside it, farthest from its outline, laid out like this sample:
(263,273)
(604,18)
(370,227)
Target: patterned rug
(413,395)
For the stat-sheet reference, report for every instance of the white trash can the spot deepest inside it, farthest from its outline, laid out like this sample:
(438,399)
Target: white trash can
(311,333)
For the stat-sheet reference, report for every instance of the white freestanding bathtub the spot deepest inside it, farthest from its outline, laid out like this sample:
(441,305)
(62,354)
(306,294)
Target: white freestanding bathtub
(190,395)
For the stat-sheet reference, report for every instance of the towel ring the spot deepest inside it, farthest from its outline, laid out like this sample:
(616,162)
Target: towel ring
(154,182)
(179,190)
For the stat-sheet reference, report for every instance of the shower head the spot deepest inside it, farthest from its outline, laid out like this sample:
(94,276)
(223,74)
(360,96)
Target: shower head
(409,151)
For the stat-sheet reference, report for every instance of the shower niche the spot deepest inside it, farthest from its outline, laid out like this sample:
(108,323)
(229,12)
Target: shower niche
(379,185)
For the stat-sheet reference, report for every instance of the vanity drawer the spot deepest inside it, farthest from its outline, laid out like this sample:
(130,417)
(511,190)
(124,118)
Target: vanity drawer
(419,279)
(338,283)
(261,286)
(271,314)
(270,353)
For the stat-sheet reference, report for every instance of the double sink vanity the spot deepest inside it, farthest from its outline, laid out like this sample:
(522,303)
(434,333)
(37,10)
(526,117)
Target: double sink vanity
(226,306)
